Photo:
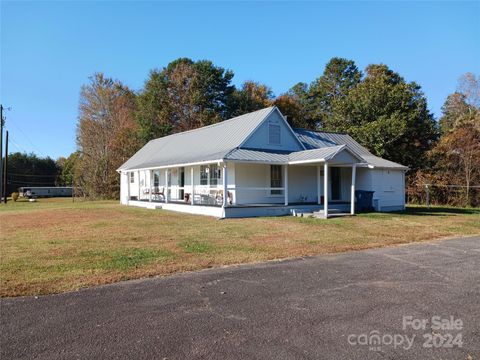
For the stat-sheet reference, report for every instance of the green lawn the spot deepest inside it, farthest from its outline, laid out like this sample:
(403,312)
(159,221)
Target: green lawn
(55,245)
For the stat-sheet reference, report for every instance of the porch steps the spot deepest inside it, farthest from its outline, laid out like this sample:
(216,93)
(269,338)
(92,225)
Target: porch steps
(319,214)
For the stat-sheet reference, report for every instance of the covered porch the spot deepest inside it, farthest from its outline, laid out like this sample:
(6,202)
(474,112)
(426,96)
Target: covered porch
(322,186)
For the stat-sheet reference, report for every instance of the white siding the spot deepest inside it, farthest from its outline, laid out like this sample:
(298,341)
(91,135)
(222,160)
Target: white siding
(388,187)
(302,181)
(253,175)
(346,182)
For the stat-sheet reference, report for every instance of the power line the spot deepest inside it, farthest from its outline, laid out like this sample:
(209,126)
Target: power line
(17,146)
(33,175)
(29,182)
(28,139)
(17,182)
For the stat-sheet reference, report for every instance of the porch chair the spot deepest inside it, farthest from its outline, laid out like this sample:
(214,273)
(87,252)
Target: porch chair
(202,196)
(158,193)
(219,197)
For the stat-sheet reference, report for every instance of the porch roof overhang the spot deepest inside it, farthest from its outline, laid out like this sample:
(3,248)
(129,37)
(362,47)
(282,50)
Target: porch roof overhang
(256,156)
(326,154)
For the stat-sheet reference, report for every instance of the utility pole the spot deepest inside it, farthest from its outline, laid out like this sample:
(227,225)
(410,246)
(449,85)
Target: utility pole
(1,152)
(5,170)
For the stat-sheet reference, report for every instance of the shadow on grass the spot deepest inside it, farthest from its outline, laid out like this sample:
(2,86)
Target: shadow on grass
(432,211)
(441,211)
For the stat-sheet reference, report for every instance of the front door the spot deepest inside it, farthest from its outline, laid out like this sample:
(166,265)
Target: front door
(336,183)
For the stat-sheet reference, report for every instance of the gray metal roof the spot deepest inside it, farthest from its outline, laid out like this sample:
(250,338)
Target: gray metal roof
(253,155)
(211,142)
(222,141)
(319,139)
(278,157)
(325,153)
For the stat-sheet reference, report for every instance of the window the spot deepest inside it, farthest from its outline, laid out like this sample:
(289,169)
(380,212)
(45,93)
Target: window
(156,178)
(203,175)
(275,179)
(210,175)
(215,175)
(132,177)
(274,134)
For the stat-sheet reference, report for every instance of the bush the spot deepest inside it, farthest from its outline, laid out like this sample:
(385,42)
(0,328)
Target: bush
(15,196)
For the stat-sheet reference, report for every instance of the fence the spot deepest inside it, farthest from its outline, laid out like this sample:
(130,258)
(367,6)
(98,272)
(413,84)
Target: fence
(444,194)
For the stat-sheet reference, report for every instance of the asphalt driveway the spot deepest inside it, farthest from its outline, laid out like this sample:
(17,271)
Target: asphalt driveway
(382,303)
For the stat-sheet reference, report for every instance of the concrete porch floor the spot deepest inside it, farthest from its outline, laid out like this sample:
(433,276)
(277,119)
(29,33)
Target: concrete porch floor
(248,210)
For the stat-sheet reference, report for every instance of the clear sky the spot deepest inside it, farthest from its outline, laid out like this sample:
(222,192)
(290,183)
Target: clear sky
(49,49)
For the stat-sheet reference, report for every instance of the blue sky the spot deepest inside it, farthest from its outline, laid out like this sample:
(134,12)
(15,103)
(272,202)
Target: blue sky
(49,49)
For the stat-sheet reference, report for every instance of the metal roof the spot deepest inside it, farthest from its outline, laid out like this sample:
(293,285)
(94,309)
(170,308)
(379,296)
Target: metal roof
(325,153)
(319,139)
(279,157)
(222,141)
(256,155)
(211,142)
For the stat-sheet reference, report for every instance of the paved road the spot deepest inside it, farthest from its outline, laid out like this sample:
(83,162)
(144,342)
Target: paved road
(313,308)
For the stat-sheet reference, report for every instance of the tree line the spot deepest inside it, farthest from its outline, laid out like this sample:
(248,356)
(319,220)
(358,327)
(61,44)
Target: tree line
(376,106)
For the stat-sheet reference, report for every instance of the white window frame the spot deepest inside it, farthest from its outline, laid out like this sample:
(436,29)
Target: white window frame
(269,182)
(270,125)
(132,177)
(212,168)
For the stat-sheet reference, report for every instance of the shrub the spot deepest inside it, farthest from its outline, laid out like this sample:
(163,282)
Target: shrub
(15,196)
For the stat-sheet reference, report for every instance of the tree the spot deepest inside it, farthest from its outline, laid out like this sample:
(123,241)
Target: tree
(30,170)
(291,107)
(182,96)
(338,78)
(68,169)
(106,135)
(463,106)
(469,85)
(388,116)
(251,97)
(457,160)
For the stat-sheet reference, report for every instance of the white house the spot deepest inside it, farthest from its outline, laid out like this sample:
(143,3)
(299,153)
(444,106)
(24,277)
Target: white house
(266,168)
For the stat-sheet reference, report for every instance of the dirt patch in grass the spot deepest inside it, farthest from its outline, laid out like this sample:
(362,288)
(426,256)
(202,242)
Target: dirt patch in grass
(56,245)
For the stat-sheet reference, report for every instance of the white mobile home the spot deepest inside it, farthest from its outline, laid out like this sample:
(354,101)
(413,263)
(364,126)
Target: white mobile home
(45,191)
(263,166)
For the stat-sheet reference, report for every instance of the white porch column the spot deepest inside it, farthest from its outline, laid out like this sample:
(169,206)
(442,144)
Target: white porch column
(285,185)
(193,187)
(352,195)
(151,187)
(128,187)
(165,195)
(139,190)
(225,185)
(325,189)
(319,185)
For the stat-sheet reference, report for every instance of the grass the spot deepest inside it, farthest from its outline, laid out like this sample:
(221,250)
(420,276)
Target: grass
(55,245)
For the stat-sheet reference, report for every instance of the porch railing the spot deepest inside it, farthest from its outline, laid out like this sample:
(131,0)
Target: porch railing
(213,195)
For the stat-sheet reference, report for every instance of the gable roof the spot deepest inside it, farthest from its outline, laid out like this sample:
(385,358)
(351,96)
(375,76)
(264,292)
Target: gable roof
(224,140)
(319,139)
(208,143)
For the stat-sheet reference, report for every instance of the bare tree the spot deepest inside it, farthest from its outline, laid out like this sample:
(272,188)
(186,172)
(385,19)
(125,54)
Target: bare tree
(106,134)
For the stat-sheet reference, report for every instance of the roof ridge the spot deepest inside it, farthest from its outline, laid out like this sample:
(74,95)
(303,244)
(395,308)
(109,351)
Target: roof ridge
(323,131)
(212,125)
